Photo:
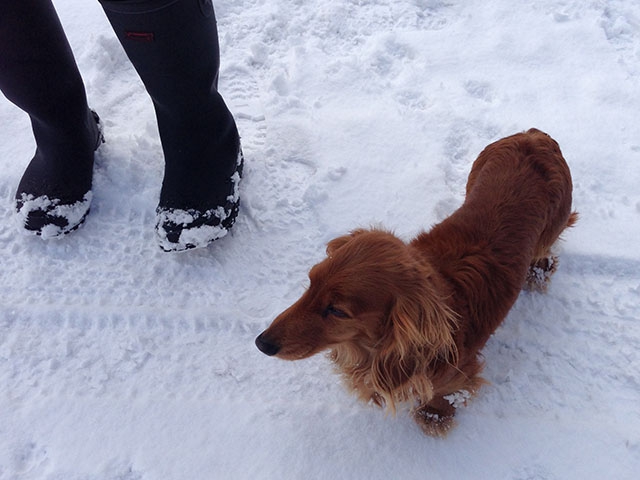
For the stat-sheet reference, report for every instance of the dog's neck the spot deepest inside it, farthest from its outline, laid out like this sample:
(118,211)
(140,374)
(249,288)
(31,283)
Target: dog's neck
(353,363)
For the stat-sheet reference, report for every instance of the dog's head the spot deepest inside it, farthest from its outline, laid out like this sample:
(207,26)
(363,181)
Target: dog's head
(370,294)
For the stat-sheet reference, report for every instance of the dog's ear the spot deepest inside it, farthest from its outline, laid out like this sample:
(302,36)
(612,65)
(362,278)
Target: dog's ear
(423,321)
(420,329)
(339,242)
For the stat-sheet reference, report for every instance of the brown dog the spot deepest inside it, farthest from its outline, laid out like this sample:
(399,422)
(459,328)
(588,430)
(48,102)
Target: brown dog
(405,322)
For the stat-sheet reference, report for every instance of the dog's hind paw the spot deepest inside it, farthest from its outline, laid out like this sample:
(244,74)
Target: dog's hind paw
(539,274)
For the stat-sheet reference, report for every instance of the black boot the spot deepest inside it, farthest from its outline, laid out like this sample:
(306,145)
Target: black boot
(173,44)
(39,74)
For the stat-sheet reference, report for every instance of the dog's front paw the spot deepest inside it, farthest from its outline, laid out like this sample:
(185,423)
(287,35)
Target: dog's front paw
(433,422)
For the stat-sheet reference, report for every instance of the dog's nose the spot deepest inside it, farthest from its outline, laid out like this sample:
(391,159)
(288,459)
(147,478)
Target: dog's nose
(265,346)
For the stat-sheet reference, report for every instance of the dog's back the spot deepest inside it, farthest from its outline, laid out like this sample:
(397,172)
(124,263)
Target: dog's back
(528,176)
(518,202)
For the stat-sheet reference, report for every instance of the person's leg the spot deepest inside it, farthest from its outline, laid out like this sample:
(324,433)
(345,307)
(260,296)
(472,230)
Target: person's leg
(173,44)
(39,74)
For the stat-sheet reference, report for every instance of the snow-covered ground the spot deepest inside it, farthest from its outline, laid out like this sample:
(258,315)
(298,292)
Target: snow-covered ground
(119,361)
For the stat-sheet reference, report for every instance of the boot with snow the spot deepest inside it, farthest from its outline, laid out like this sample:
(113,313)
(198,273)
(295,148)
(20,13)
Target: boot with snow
(173,44)
(38,73)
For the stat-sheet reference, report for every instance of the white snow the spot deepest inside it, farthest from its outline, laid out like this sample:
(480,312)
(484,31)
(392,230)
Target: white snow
(458,399)
(73,213)
(120,361)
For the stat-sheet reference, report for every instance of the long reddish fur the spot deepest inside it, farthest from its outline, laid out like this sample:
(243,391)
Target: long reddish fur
(406,322)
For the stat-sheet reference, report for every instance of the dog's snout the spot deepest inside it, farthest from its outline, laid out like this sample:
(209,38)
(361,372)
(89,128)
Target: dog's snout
(265,346)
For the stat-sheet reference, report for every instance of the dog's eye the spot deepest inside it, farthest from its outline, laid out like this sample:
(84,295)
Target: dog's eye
(335,312)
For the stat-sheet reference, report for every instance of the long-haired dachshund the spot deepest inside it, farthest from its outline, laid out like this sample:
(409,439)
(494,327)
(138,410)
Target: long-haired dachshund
(405,322)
